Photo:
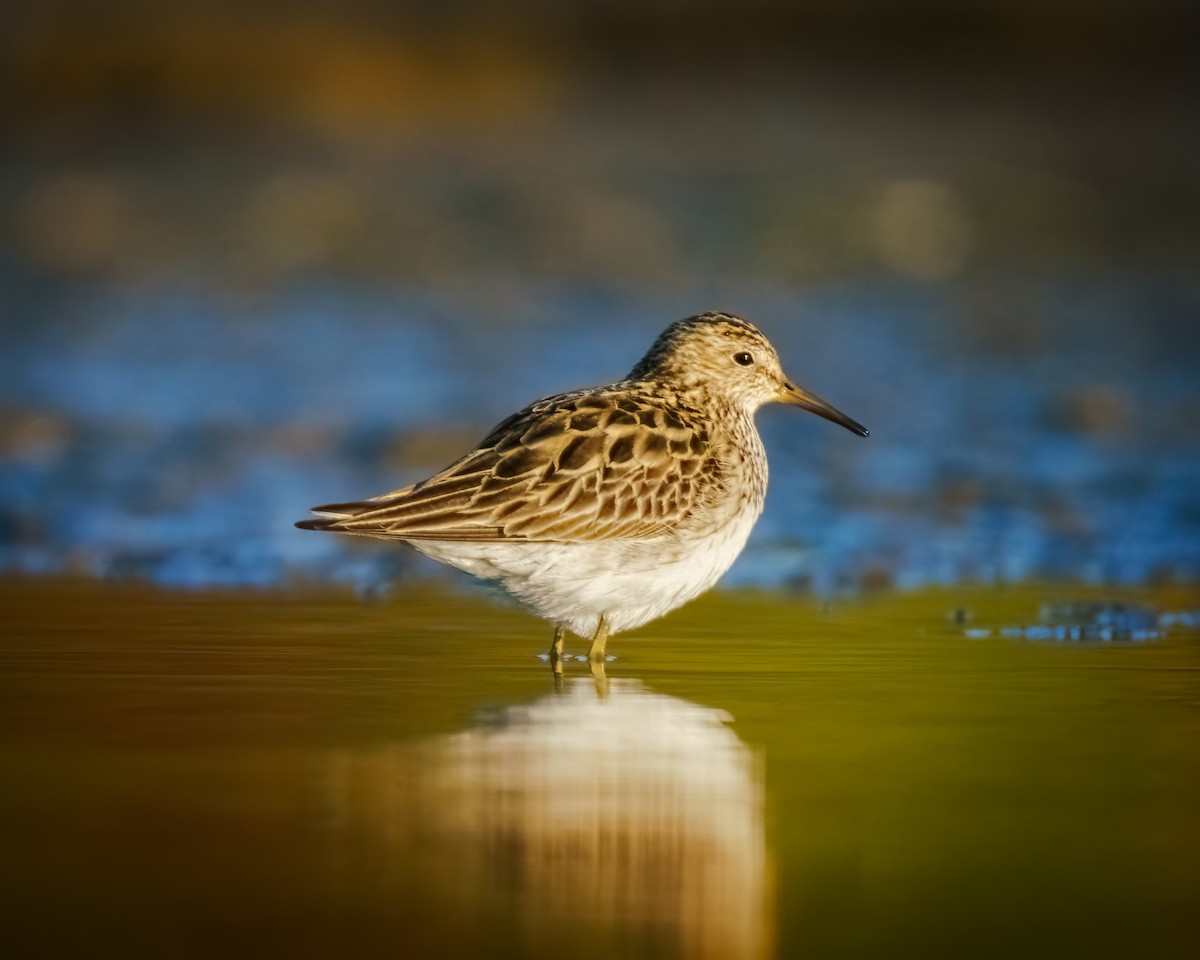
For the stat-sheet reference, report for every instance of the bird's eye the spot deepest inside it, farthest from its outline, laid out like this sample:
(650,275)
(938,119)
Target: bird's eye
(743,358)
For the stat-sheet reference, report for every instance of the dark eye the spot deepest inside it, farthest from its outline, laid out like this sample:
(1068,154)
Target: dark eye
(743,358)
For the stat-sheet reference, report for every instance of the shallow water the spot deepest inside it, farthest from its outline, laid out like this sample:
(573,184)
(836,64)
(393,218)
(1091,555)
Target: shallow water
(308,774)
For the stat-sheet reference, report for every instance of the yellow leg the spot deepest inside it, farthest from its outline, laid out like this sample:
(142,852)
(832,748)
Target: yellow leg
(556,645)
(599,639)
(556,656)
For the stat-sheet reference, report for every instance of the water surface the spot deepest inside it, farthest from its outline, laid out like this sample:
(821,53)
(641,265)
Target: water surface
(307,774)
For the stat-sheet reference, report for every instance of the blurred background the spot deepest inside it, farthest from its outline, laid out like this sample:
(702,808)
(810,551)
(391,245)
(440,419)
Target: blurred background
(255,256)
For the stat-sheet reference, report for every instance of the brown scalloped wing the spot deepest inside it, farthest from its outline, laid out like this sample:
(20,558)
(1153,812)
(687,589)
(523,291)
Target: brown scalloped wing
(596,466)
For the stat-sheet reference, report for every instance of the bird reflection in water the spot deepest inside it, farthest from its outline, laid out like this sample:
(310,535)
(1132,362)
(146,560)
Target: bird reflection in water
(604,810)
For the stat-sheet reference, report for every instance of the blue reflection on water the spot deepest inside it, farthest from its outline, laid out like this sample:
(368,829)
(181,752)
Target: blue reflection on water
(175,436)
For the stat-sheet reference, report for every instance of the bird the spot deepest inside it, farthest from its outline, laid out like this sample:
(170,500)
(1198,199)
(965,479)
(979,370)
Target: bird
(607,507)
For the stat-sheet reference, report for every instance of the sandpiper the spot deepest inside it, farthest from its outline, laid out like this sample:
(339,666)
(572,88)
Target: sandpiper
(608,507)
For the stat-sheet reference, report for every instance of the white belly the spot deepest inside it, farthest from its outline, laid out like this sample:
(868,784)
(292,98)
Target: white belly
(629,582)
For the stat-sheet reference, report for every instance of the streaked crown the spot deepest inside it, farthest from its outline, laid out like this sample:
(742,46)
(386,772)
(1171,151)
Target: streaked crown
(718,352)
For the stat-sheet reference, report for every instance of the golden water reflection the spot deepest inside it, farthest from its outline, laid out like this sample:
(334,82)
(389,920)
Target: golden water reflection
(606,806)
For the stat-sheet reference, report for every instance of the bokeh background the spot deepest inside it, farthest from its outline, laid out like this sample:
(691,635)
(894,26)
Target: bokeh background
(257,256)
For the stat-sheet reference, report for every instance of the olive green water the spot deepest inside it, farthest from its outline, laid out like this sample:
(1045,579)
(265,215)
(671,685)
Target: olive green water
(304,774)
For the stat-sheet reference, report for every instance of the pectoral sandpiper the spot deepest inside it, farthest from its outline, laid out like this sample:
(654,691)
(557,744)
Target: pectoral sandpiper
(605,508)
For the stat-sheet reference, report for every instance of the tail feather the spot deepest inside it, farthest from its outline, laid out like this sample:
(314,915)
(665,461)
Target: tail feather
(343,510)
(329,515)
(318,523)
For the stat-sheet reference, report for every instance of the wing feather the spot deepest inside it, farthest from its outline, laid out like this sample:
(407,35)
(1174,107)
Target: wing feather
(579,467)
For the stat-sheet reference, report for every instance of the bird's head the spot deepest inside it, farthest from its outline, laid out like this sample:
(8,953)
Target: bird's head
(729,356)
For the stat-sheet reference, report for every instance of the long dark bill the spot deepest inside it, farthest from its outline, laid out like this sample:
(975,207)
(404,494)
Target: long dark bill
(796,397)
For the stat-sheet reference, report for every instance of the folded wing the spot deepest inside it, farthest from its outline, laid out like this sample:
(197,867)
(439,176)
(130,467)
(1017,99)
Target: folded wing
(579,467)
